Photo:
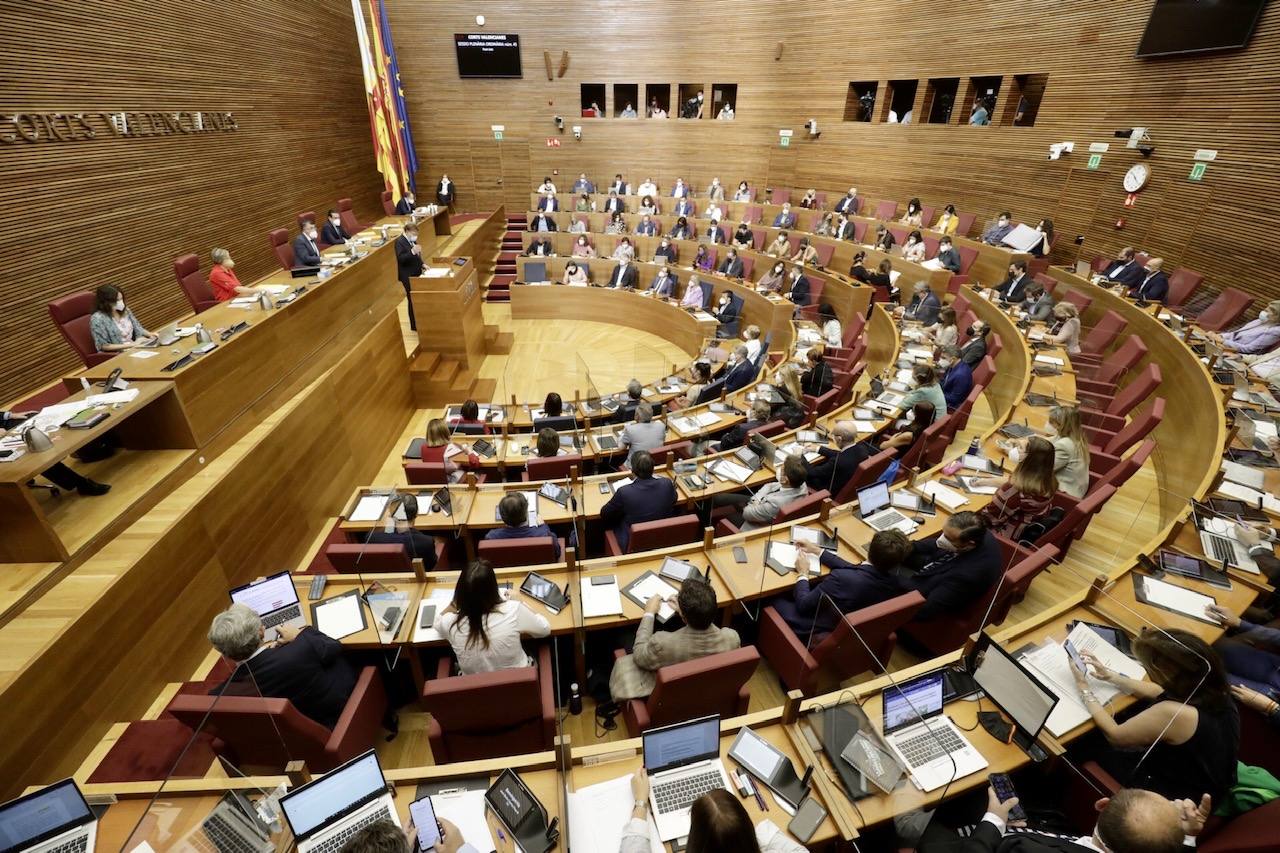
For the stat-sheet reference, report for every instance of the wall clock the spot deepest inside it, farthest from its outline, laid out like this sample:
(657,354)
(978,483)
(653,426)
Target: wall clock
(1136,178)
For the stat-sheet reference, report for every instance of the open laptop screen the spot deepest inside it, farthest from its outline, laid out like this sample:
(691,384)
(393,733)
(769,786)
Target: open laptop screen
(873,498)
(329,798)
(685,743)
(267,595)
(1007,683)
(42,815)
(912,701)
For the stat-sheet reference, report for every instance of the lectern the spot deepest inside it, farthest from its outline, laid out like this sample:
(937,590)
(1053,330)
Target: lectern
(447,305)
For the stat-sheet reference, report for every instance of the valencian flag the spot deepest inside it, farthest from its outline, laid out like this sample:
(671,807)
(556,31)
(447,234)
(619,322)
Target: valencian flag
(400,112)
(386,148)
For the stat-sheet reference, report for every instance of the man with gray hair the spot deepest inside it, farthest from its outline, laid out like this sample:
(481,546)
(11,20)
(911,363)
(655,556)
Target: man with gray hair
(924,306)
(741,370)
(643,434)
(957,377)
(304,666)
(635,395)
(836,469)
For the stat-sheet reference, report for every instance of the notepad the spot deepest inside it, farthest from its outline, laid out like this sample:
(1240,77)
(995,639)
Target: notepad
(684,425)
(1160,593)
(704,419)
(597,814)
(945,495)
(647,586)
(340,616)
(369,508)
(603,599)
(732,471)
(465,810)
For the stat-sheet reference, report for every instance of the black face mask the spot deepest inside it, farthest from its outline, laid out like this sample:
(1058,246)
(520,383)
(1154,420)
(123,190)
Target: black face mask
(969,331)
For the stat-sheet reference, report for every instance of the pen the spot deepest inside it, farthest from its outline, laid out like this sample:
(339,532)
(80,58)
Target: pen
(751,786)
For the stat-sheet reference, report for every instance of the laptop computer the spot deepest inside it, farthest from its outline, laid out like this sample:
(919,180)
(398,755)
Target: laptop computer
(232,827)
(55,818)
(923,738)
(323,814)
(275,600)
(877,513)
(683,762)
(1217,538)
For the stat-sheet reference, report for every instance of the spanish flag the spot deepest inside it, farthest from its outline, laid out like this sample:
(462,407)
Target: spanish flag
(385,148)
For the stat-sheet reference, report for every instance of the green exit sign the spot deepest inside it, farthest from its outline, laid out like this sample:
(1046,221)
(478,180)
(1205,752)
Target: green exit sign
(497,134)
(1095,160)
(784,141)
(1197,172)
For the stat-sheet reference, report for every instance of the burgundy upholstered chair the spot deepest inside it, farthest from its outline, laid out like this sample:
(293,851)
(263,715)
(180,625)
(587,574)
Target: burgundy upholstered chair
(715,684)
(195,286)
(71,314)
(550,467)
(799,508)
(349,221)
(278,240)
(388,206)
(353,558)
(663,533)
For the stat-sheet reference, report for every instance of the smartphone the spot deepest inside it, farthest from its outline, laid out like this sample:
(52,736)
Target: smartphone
(1076,660)
(424,818)
(808,818)
(389,616)
(428,617)
(605,488)
(1003,786)
(739,554)
(110,381)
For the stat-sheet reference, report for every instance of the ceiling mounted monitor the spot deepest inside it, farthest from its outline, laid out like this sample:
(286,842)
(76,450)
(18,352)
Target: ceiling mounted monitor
(488,54)
(1195,26)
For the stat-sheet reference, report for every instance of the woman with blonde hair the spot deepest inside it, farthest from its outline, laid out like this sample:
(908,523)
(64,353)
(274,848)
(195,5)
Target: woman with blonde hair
(434,448)
(810,200)
(1071,450)
(1026,495)
(1066,328)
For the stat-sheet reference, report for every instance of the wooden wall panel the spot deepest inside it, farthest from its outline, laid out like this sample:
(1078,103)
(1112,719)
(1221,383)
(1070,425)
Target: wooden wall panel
(80,214)
(1226,101)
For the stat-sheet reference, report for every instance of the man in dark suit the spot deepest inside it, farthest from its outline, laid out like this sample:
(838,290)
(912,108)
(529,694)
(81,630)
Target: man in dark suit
(684,207)
(334,234)
(60,474)
(948,255)
(1132,820)
(785,218)
(548,203)
(838,463)
(954,569)
(582,185)
(419,545)
(405,205)
(924,305)
(731,266)
(844,230)
(849,204)
(741,370)
(619,186)
(728,313)
(1014,288)
(647,227)
(646,498)
(542,222)
(1154,285)
(306,253)
(408,264)
(540,248)
(304,666)
(1125,269)
(613,204)
(957,377)
(664,284)
(975,348)
(624,275)
(815,606)
(798,290)
(513,509)
(444,191)
(714,233)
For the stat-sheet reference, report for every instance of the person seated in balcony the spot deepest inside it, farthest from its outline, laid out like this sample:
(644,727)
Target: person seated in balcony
(815,605)
(483,627)
(540,247)
(785,218)
(1255,336)
(1044,244)
(681,230)
(805,253)
(997,231)
(948,222)
(743,192)
(885,241)
(574,274)
(743,238)
(635,675)
(647,206)
(780,247)
(914,215)
(914,249)
(809,201)
(848,205)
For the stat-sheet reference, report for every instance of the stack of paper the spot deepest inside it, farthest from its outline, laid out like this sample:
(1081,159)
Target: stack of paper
(1051,664)
(603,599)
(1254,478)
(684,426)
(783,553)
(369,508)
(1178,599)
(945,495)
(1049,359)
(465,810)
(110,398)
(704,419)
(597,814)
(1234,490)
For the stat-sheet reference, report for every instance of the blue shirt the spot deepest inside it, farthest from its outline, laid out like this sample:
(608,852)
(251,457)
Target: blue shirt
(956,384)
(531,532)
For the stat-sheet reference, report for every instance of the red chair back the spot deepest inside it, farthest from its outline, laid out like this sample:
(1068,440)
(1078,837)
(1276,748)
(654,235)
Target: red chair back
(1104,334)
(916,455)
(867,472)
(278,240)
(349,221)
(1079,299)
(425,473)
(984,371)
(388,206)
(552,467)
(754,214)
(844,653)
(195,286)
(715,684)
(779,195)
(71,315)
(859,231)
(490,714)
(1099,264)
(350,559)
(968,254)
(821,405)
(926,216)
(1127,467)
(1137,429)
(962,413)
(307,215)
(820,200)
(748,264)
(1135,392)
(960,305)
(664,533)
(964,223)
(1182,283)
(1048,282)
(825,251)
(1126,356)
(886,210)
(518,552)
(801,507)
(1225,310)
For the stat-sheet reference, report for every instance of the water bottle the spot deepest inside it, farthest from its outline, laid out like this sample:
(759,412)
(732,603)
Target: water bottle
(575,700)
(974,447)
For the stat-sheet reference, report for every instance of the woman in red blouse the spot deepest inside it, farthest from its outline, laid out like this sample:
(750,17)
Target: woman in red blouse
(437,442)
(1026,495)
(224,281)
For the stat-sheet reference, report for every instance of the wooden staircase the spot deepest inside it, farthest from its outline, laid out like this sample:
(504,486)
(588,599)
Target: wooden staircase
(504,272)
(439,380)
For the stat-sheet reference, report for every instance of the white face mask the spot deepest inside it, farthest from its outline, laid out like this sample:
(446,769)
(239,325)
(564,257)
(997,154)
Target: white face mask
(336,220)
(1265,316)
(778,477)
(229,264)
(944,363)
(311,234)
(120,304)
(1050,430)
(412,238)
(1015,454)
(945,544)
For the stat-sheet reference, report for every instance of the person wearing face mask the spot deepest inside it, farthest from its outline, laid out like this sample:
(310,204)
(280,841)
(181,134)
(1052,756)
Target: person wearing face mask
(829,323)
(1256,336)
(713,211)
(578,225)
(616,224)
(785,218)
(1044,245)
(409,264)
(647,187)
(906,433)
(731,266)
(582,248)
(664,284)
(547,186)
(1066,328)
(223,280)
(805,253)
(818,379)
(798,289)
(1013,290)
(780,247)
(849,204)
(306,252)
(647,227)
(726,112)
(666,253)
(926,388)
(995,234)
(772,280)
(1125,269)
(975,348)
(715,192)
(715,234)
(582,185)
(680,190)
(542,222)
(548,203)
(924,305)
(1039,304)
(444,191)
(614,204)
(809,201)
(741,370)
(1154,286)
(743,192)
(844,228)
(619,186)
(728,314)
(953,569)
(913,250)
(948,222)
(1071,450)
(743,236)
(693,295)
(838,463)
(647,205)
(624,251)
(334,234)
(540,248)
(681,230)
(885,240)
(112,324)
(684,207)
(944,333)
(406,204)
(914,215)
(957,377)
(575,275)
(624,275)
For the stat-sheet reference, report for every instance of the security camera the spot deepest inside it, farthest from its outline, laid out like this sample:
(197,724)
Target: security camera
(1146,150)
(1060,148)
(577,132)
(812,126)
(560,122)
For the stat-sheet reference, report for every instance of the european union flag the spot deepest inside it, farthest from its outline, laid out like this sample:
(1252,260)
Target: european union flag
(401,111)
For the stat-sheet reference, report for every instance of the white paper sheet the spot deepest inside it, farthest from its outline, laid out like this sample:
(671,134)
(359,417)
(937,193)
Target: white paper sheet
(620,482)
(339,617)
(600,599)
(143,353)
(945,495)
(784,554)
(1051,663)
(1254,478)
(369,508)
(597,814)
(440,597)
(732,471)
(704,419)
(864,426)
(110,398)
(1049,359)
(684,426)
(465,810)
(1234,490)
(1177,598)
(654,585)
